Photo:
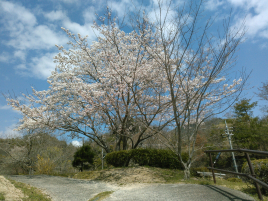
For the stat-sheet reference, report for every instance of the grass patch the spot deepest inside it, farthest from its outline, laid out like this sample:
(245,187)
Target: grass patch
(63,174)
(170,175)
(2,197)
(101,196)
(87,175)
(34,194)
(239,185)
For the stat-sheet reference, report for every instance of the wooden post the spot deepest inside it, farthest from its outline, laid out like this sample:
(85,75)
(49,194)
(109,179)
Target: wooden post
(211,164)
(253,174)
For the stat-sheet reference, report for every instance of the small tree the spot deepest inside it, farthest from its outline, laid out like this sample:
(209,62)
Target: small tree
(249,132)
(83,157)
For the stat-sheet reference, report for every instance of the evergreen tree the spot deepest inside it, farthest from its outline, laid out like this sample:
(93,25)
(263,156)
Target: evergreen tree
(248,130)
(83,158)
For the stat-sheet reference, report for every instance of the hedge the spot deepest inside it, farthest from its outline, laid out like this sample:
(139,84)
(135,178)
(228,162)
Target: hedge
(118,158)
(146,157)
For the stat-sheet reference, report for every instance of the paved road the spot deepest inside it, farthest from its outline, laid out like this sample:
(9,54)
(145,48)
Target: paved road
(67,189)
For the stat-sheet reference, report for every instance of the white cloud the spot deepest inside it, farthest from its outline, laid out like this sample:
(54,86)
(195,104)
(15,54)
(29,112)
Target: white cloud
(9,132)
(5,57)
(21,67)
(257,16)
(8,107)
(5,107)
(55,15)
(39,37)
(89,15)
(166,15)
(122,7)
(77,143)
(85,29)
(77,28)
(20,54)
(8,58)
(14,13)
(39,67)
(213,4)
(24,31)
(42,66)
(69,1)
(254,13)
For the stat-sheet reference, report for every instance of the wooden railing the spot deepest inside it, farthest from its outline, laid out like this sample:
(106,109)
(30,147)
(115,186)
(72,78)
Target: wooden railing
(252,176)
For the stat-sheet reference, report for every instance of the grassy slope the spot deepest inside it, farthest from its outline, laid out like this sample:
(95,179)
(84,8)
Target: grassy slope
(34,194)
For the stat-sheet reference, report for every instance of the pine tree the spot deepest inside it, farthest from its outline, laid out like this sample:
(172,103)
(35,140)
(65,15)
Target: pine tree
(83,158)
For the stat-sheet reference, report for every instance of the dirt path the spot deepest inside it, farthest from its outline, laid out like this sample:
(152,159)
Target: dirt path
(67,189)
(137,183)
(10,192)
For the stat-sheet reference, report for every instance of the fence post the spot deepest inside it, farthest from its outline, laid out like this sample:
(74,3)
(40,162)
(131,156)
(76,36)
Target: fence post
(211,164)
(253,174)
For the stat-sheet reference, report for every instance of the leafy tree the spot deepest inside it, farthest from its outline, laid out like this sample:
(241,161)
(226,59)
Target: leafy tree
(83,158)
(248,131)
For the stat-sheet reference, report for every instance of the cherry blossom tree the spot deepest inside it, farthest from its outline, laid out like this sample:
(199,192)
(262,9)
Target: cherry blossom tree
(167,72)
(112,84)
(196,67)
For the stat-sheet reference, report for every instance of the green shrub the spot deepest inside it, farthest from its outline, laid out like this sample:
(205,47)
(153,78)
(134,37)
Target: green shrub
(118,158)
(145,157)
(260,167)
(157,158)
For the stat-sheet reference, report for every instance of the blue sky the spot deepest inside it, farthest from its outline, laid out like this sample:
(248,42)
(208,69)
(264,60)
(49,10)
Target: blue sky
(29,30)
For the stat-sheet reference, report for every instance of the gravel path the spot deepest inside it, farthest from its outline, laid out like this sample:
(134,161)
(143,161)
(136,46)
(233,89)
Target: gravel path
(179,192)
(63,188)
(67,189)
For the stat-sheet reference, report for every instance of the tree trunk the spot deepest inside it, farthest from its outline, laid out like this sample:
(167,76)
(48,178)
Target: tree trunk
(124,143)
(187,173)
(117,148)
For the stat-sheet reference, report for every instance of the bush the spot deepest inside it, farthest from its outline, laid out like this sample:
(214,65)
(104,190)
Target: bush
(260,169)
(83,157)
(150,157)
(118,158)
(44,165)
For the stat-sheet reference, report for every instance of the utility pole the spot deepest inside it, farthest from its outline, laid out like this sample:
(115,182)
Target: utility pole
(230,142)
(102,159)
